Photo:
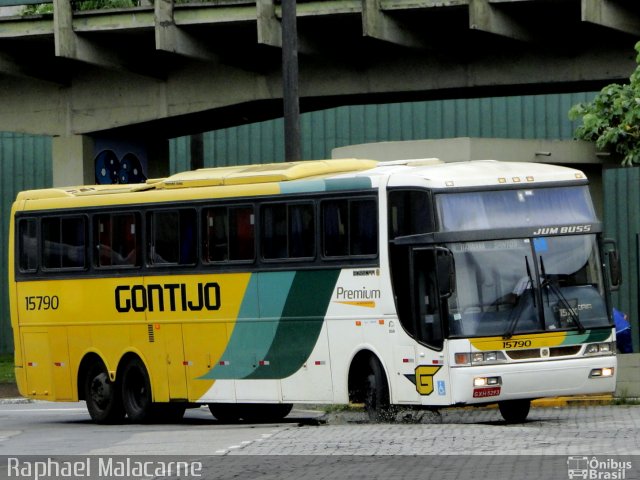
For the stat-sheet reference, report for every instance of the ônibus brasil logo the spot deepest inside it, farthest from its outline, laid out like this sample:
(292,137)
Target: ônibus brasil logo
(597,468)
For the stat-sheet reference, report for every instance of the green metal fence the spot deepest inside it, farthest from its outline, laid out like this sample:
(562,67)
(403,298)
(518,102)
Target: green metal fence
(525,116)
(622,223)
(25,162)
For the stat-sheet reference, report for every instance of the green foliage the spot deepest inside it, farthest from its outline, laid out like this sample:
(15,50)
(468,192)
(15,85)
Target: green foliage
(612,119)
(6,369)
(80,5)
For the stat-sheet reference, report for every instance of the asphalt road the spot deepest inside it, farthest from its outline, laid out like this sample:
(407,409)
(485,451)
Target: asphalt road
(457,443)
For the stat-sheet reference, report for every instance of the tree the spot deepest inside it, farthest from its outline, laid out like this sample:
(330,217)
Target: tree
(612,119)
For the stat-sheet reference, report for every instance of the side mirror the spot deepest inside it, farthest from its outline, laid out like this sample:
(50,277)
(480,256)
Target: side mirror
(446,272)
(613,264)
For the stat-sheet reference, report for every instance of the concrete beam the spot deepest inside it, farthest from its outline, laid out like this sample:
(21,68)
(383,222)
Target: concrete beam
(378,24)
(269,29)
(611,14)
(9,65)
(489,18)
(171,38)
(69,45)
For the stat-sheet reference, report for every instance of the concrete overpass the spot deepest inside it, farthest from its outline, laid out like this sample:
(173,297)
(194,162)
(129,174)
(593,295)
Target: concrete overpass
(161,70)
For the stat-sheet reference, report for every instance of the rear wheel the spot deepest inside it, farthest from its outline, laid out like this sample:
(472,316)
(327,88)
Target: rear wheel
(136,392)
(104,402)
(376,399)
(514,411)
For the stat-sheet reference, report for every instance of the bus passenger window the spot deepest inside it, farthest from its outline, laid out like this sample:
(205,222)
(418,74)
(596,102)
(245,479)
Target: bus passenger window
(350,228)
(301,231)
(63,242)
(217,235)
(363,227)
(27,245)
(173,237)
(334,223)
(241,233)
(288,231)
(229,234)
(116,239)
(274,231)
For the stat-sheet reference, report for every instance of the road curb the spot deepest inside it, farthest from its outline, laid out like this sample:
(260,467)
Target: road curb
(574,401)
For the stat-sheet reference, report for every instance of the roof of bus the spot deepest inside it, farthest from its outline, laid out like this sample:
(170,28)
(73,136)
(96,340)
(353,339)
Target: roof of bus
(304,176)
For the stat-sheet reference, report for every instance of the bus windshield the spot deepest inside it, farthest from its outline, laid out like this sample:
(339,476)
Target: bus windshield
(514,208)
(513,286)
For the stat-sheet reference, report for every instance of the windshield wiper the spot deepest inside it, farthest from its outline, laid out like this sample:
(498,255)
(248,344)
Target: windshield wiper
(551,285)
(517,310)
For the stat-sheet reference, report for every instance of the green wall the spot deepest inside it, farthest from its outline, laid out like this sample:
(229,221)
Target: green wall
(528,117)
(25,162)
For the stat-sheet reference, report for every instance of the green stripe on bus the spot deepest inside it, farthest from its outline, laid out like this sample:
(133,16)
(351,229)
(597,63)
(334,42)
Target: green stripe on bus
(277,342)
(589,336)
(298,330)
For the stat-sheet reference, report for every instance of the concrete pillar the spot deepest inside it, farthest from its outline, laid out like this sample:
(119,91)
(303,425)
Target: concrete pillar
(73,161)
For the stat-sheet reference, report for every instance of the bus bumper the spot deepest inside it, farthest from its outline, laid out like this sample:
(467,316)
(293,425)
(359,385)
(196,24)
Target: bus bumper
(494,383)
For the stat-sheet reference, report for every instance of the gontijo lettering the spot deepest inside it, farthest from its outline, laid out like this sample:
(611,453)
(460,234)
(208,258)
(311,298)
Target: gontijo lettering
(171,296)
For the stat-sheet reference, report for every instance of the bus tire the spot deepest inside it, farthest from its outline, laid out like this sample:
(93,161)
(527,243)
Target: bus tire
(136,392)
(103,398)
(376,400)
(514,411)
(225,412)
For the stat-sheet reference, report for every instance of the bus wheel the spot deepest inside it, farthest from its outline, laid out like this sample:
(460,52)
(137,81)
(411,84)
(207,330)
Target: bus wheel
(376,399)
(514,411)
(136,392)
(225,412)
(104,402)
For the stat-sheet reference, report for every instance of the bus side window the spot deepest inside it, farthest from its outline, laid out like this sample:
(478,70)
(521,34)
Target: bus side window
(274,231)
(363,226)
(28,245)
(288,231)
(117,239)
(229,234)
(63,242)
(349,227)
(216,235)
(334,228)
(301,231)
(242,235)
(173,237)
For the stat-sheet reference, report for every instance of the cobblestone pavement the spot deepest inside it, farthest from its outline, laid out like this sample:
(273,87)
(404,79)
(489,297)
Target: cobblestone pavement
(580,430)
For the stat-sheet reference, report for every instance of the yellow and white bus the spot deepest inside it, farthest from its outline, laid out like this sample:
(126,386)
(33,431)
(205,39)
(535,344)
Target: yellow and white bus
(249,289)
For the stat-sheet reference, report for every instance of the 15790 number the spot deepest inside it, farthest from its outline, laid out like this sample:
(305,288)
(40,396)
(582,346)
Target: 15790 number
(516,344)
(42,302)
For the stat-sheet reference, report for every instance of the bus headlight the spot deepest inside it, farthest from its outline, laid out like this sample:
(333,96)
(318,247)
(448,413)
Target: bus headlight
(479,358)
(606,348)
(601,372)
(482,358)
(486,381)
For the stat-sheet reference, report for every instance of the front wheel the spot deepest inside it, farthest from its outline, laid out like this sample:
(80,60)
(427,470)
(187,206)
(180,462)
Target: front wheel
(104,402)
(136,392)
(376,400)
(514,411)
